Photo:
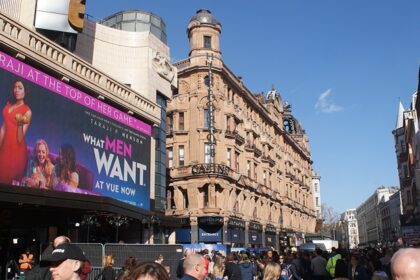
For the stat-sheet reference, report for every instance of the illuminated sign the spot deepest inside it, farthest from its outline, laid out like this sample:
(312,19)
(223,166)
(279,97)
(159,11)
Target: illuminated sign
(93,148)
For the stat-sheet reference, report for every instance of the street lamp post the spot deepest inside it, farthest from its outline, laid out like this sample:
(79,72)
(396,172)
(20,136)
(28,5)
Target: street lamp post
(117,221)
(89,220)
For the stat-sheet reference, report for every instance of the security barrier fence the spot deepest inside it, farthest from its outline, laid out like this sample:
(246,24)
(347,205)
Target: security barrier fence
(96,251)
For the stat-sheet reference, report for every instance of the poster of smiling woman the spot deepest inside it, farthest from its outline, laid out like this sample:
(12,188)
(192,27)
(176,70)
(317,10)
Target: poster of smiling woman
(56,137)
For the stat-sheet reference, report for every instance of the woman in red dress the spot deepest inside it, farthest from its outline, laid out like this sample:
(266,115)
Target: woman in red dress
(13,150)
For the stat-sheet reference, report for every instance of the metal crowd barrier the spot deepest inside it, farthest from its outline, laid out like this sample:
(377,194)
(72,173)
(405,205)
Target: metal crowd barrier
(96,251)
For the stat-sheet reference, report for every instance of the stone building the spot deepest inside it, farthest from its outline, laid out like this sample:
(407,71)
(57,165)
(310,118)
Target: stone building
(369,219)
(240,168)
(350,235)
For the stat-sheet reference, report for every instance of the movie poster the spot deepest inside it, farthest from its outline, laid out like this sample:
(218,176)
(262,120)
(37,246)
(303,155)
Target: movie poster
(56,137)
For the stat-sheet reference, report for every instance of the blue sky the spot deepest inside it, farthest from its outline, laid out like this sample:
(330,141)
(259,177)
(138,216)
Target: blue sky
(343,65)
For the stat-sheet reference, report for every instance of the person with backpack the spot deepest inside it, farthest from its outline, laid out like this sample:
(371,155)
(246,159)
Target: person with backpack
(248,270)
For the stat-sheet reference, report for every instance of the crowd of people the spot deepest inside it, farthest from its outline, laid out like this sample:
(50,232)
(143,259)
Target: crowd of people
(363,264)
(66,261)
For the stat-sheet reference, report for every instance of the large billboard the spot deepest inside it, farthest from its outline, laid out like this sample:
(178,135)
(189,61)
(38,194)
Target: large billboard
(54,136)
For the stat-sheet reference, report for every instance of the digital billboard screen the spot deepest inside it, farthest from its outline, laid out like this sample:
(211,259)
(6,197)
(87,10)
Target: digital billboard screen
(54,136)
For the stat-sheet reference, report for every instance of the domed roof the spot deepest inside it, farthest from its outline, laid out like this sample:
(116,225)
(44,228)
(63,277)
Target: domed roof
(205,16)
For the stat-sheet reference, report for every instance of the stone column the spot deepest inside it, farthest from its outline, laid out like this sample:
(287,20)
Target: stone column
(246,234)
(277,244)
(263,236)
(194,229)
(225,230)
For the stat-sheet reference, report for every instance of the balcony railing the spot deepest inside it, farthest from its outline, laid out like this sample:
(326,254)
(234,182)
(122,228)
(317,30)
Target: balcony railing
(239,139)
(249,147)
(268,159)
(257,152)
(231,133)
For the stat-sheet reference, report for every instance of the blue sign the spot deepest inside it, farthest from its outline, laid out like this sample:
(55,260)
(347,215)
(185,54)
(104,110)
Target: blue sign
(236,235)
(183,235)
(210,234)
(254,237)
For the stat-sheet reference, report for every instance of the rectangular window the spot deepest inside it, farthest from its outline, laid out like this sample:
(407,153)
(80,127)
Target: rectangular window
(269,179)
(181,155)
(236,162)
(228,158)
(206,196)
(169,126)
(185,202)
(207,42)
(207,157)
(169,158)
(255,172)
(316,187)
(228,123)
(248,168)
(181,121)
(206,118)
(265,178)
(316,201)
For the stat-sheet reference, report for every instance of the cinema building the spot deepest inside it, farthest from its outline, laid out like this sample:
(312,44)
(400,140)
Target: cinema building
(239,164)
(98,107)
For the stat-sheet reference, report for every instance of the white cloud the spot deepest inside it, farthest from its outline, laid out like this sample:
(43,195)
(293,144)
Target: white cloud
(325,104)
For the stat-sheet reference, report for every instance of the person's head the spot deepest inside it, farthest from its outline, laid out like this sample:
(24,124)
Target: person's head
(318,252)
(282,258)
(108,260)
(147,271)
(194,266)
(129,263)
(19,91)
(41,152)
(187,252)
(272,271)
(230,257)
(244,258)
(340,269)
(61,240)
(66,262)
(405,264)
(270,254)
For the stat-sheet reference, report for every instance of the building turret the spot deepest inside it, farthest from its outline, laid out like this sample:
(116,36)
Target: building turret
(204,37)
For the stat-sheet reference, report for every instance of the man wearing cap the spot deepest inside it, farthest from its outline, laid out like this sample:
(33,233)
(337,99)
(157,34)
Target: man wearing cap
(66,262)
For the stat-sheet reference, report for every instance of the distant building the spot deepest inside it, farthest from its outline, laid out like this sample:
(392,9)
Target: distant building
(316,192)
(350,231)
(390,212)
(369,218)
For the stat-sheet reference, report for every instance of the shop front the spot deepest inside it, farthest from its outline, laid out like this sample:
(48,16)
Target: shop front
(270,236)
(255,235)
(210,230)
(236,232)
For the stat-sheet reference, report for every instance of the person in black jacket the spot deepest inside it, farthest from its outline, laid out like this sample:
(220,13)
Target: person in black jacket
(108,273)
(180,266)
(232,270)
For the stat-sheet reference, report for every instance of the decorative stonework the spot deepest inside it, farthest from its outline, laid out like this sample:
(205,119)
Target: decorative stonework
(163,67)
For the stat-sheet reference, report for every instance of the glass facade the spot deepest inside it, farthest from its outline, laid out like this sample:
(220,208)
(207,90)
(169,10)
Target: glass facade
(160,159)
(137,21)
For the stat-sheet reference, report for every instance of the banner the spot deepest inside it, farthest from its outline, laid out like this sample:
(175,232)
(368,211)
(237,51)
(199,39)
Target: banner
(54,136)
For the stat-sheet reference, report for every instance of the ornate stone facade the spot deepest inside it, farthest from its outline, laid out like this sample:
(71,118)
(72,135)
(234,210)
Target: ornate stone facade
(261,172)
